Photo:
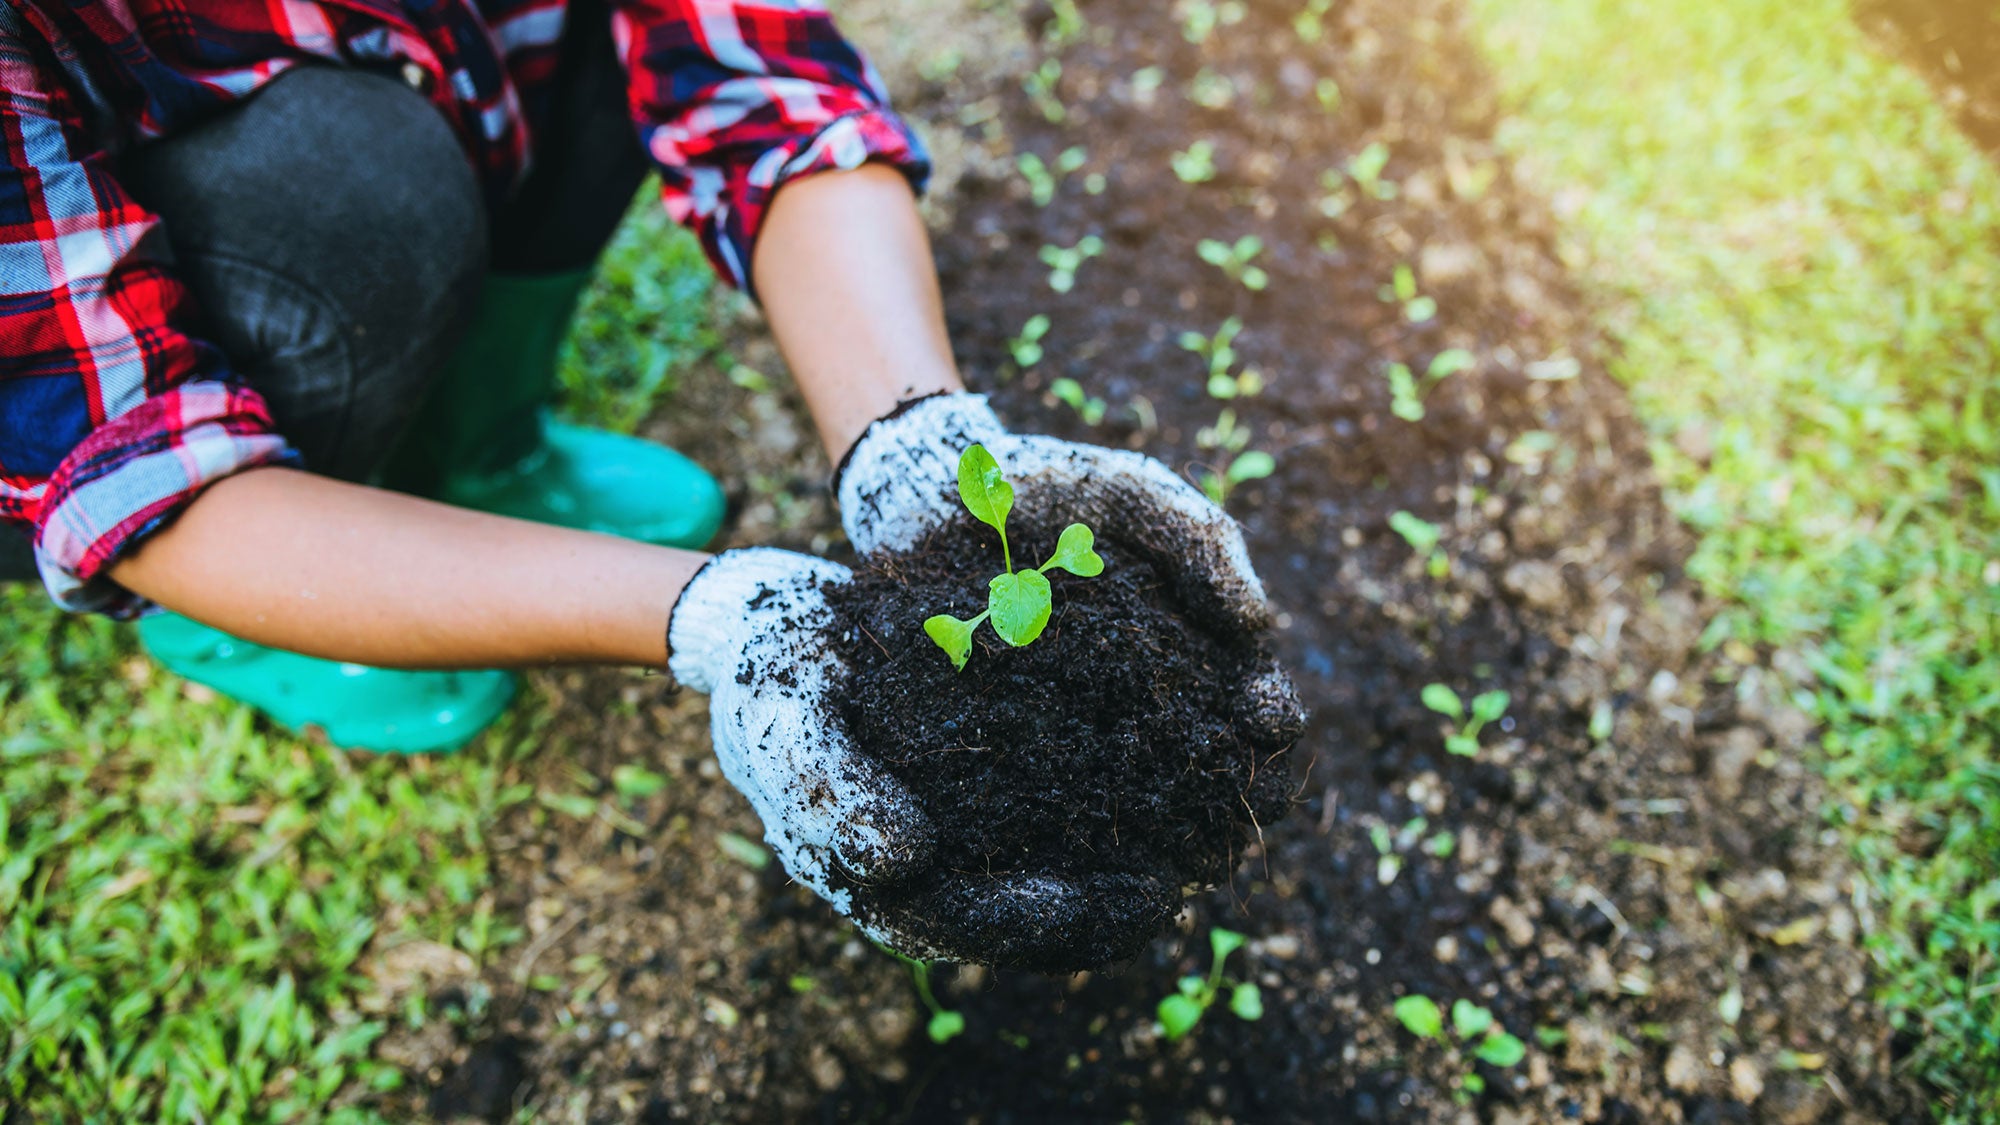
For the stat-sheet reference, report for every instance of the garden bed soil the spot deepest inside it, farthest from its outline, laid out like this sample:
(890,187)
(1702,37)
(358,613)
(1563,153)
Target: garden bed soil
(1111,747)
(1955,45)
(1634,873)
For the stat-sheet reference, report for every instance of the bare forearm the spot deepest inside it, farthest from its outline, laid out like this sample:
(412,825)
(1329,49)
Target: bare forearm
(344,572)
(843,267)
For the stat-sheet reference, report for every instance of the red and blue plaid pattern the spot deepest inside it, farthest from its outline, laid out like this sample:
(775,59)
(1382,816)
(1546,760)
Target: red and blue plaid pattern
(113,416)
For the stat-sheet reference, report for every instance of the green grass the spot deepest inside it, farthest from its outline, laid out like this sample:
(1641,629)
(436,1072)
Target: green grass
(187,897)
(1800,259)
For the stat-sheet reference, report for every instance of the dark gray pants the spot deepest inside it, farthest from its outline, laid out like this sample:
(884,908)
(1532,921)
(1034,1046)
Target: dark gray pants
(334,236)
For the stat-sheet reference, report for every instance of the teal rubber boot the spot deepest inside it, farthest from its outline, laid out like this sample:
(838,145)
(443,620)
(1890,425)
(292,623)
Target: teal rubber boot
(358,708)
(485,439)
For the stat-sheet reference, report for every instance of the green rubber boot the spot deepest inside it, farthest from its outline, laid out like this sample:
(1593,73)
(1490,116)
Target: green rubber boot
(485,439)
(358,708)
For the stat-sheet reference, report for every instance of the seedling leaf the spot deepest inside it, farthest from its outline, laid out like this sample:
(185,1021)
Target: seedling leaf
(1254,465)
(1421,535)
(1488,706)
(1469,1019)
(1075,553)
(945,1026)
(1420,1016)
(1224,942)
(1449,362)
(1247,1001)
(1501,1049)
(1463,745)
(986,493)
(953,636)
(1443,700)
(1178,1015)
(1020,604)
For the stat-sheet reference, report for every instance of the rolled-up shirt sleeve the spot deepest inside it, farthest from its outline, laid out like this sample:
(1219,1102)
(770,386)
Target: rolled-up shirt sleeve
(112,416)
(734,98)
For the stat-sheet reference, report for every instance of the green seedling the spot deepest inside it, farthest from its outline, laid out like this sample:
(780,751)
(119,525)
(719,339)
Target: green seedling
(1066,28)
(1146,81)
(1234,259)
(1064,261)
(1422,536)
(1365,169)
(1210,90)
(1196,165)
(1229,438)
(1027,347)
(1220,353)
(1402,290)
(1200,18)
(1040,86)
(945,1024)
(1472,1025)
(1310,25)
(1487,707)
(1339,197)
(1042,178)
(1180,1012)
(1088,407)
(1407,392)
(1327,92)
(1017,602)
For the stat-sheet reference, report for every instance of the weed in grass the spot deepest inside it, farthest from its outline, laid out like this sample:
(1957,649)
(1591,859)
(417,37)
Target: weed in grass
(1234,260)
(1196,164)
(1064,261)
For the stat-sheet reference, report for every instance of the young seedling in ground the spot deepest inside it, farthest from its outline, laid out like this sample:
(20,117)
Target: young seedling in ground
(1064,261)
(1234,259)
(1196,165)
(1365,168)
(1210,90)
(1040,85)
(945,1024)
(1042,179)
(1017,602)
(1200,18)
(1220,352)
(1472,1024)
(1402,289)
(1180,1012)
(1422,536)
(1229,438)
(1027,347)
(1088,407)
(1310,24)
(1407,392)
(1487,707)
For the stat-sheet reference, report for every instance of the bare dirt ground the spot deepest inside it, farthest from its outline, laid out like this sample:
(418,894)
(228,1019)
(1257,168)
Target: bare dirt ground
(1632,873)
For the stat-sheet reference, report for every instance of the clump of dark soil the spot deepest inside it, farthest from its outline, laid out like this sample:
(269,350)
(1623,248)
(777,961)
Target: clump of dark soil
(1109,746)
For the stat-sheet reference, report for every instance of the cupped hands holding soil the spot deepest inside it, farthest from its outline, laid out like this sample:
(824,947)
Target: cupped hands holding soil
(1116,752)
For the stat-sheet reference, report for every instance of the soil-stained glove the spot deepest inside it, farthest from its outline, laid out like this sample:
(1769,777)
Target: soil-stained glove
(752,632)
(900,482)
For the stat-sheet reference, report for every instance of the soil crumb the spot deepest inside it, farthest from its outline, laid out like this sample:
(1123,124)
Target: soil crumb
(1110,746)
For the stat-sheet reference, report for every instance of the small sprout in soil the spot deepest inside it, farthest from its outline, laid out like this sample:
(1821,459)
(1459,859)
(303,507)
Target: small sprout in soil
(1365,169)
(1310,24)
(1220,352)
(1234,259)
(945,1024)
(743,850)
(1018,602)
(1339,198)
(1229,438)
(1042,179)
(801,983)
(1065,28)
(941,65)
(636,783)
(1328,93)
(1200,18)
(1180,1012)
(1040,86)
(1407,392)
(1088,407)
(1027,347)
(1487,707)
(1472,1024)
(1402,289)
(1064,261)
(1146,81)
(1210,90)
(1531,449)
(1422,536)
(1196,165)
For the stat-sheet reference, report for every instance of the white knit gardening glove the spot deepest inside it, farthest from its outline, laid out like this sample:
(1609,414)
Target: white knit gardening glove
(752,631)
(900,482)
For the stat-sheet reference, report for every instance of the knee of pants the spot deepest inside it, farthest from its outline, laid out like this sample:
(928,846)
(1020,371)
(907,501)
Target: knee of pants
(333,232)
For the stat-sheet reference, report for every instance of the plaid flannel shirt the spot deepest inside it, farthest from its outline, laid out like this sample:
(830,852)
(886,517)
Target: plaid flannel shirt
(112,415)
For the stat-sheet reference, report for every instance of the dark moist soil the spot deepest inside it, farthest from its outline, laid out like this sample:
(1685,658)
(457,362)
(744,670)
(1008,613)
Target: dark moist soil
(1109,746)
(1636,874)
